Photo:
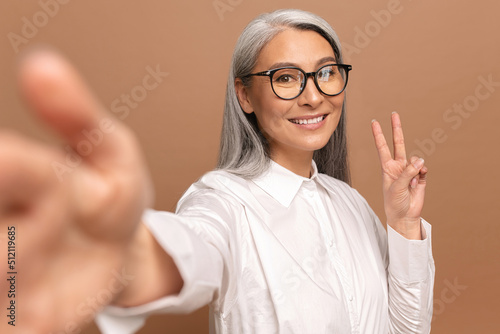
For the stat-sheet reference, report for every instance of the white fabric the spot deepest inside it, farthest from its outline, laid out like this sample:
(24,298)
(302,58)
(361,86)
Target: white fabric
(288,254)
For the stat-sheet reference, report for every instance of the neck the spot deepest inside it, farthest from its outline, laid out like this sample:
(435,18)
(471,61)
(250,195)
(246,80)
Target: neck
(298,163)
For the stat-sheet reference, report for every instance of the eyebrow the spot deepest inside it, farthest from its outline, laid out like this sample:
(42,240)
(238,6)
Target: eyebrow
(319,62)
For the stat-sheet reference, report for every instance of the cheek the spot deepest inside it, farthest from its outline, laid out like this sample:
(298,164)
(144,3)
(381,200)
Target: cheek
(336,106)
(270,121)
(337,102)
(271,113)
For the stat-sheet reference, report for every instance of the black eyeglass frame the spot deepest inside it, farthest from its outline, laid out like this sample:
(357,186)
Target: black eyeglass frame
(270,74)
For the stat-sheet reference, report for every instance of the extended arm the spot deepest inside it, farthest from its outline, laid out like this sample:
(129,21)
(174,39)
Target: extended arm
(76,210)
(154,272)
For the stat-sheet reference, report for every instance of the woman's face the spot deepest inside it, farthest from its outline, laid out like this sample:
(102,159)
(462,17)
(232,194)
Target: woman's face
(277,118)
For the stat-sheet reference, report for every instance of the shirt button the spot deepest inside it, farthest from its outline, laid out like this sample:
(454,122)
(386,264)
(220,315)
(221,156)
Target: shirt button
(350,297)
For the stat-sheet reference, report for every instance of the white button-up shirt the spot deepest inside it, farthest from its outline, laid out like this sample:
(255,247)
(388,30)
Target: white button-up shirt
(288,254)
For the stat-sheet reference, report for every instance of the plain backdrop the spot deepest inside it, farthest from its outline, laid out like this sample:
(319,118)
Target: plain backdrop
(429,60)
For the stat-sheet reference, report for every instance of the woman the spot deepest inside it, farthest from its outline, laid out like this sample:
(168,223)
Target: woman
(268,240)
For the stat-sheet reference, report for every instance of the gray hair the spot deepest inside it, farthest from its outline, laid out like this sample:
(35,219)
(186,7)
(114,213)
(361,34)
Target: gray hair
(244,150)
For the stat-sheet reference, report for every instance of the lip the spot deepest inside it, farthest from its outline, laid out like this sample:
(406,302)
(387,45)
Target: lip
(313,126)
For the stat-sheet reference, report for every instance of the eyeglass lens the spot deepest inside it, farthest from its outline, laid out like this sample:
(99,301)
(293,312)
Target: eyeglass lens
(288,83)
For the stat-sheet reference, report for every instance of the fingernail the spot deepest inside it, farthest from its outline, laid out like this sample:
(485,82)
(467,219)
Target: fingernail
(419,163)
(394,112)
(374,120)
(413,183)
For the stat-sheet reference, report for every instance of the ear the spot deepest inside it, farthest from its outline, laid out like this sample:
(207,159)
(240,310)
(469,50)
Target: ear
(243,97)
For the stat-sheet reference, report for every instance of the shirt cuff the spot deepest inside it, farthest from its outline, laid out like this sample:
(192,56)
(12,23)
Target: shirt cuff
(409,260)
(181,244)
(112,324)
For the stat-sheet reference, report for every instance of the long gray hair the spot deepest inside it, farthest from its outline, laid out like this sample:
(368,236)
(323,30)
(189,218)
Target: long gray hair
(244,150)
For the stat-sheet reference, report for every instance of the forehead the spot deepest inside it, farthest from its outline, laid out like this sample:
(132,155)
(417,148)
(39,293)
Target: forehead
(304,48)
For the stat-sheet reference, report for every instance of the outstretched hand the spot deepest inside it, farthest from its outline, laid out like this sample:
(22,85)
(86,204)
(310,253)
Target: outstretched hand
(403,181)
(74,210)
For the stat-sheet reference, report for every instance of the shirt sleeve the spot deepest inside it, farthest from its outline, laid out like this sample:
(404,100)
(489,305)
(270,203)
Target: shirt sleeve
(410,271)
(197,238)
(410,275)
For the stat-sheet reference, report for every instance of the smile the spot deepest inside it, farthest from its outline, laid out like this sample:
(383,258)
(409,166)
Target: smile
(308,121)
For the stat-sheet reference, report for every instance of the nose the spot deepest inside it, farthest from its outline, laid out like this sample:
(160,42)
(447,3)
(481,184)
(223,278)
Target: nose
(310,96)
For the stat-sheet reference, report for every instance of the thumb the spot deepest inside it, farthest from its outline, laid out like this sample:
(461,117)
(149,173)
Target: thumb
(409,173)
(58,95)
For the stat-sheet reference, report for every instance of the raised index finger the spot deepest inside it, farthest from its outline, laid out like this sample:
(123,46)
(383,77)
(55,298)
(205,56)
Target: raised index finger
(398,138)
(384,153)
(58,95)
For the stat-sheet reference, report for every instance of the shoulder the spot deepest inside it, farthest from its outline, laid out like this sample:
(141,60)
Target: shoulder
(344,191)
(215,188)
(333,182)
(352,199)
(338,186)
(219,181)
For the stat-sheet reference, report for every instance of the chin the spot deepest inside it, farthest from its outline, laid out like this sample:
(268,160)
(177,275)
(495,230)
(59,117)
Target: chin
(318,144)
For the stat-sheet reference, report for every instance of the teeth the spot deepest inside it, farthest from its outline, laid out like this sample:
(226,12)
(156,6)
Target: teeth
(307,121)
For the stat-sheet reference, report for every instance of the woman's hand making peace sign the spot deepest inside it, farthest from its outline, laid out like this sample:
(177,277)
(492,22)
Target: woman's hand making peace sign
(403,181)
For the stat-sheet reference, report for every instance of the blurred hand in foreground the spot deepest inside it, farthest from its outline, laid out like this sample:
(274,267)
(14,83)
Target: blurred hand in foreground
(70,212)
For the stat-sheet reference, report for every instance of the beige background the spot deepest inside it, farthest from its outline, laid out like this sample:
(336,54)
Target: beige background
(424,59)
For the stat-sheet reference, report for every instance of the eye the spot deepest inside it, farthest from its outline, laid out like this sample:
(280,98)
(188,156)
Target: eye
(327,73)
(285,78)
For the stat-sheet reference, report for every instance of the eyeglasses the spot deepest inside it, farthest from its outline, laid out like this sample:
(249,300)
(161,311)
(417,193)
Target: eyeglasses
(289,82)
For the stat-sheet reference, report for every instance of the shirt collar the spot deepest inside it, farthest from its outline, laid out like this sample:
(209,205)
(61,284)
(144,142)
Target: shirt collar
(283,184)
